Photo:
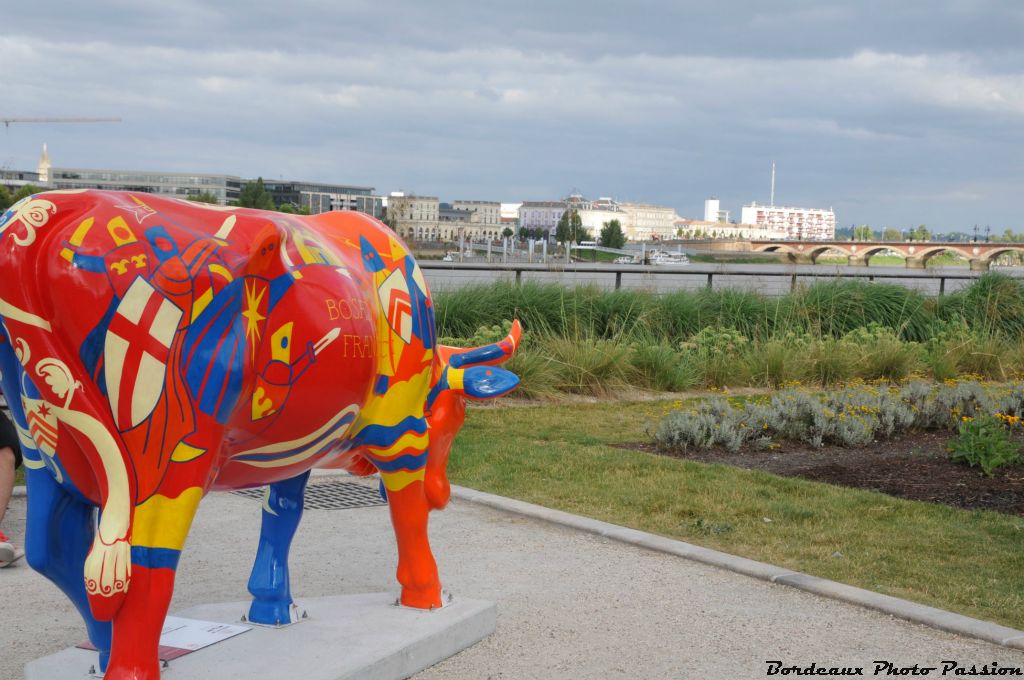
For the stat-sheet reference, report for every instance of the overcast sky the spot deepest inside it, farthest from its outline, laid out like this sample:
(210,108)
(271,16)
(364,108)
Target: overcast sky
(893,113)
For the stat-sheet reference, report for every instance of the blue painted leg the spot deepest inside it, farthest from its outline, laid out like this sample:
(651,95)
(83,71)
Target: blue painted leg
(59,526)
(269,585)
(59,533)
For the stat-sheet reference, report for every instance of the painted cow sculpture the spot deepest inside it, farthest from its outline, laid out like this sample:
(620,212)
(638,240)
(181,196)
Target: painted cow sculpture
(154,349)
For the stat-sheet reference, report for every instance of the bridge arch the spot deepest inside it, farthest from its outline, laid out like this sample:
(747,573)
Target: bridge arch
(869,253)
(815,253)
(790,252)
(865,254)
(928,253)
(992,255)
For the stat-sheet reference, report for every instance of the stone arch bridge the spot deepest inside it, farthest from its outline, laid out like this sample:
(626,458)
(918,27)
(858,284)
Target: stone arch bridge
(917,253)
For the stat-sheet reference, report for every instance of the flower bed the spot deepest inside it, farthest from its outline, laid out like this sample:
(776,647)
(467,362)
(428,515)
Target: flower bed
(855,416)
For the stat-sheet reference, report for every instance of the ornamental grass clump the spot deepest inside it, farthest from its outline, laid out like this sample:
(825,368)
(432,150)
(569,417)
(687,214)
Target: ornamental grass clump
(987,356)
(538,374)
(590,367)
(993,303)
(835,308)
(622,313)
(880,354)
(720,354)
(752,315)
(830,362)
(662,367)
(781,360)
(945,350)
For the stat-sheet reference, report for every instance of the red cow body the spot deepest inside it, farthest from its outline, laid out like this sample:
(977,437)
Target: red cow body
(155,349)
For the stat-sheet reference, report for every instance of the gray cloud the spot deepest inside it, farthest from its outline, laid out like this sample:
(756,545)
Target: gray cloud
(893,113)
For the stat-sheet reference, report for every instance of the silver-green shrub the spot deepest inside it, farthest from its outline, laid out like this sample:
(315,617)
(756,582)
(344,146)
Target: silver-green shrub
(851,416)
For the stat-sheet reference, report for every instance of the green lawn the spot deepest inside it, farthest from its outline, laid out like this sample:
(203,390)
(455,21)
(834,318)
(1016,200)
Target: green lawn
(941,260)
(726,257)
(559,456)
(593,256)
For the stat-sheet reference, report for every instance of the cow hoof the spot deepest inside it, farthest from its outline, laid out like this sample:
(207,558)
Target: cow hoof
(273,612)
(422,598)
(135,669)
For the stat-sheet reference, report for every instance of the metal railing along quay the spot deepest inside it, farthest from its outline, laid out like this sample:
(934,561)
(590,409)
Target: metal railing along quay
(705,272)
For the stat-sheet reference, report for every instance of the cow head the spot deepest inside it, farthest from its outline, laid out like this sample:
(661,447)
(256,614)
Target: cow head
(462,374)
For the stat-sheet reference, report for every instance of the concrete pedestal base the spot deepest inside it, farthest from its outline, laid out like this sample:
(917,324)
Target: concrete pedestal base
(352,636)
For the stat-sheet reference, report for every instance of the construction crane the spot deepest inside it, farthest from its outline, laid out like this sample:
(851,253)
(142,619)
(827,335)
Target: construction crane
(7,121)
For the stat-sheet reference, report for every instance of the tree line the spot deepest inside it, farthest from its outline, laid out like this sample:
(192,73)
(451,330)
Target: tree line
(921,233)
(253,195)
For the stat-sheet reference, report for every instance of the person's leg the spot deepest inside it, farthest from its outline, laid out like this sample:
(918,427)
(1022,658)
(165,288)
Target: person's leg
(6,479)
(6,486)
(10,459)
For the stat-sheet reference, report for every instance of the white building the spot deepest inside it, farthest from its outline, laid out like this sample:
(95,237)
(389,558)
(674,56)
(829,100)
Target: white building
(646,222)
(713,211)
(510,211)
(595,214)
(593,220)
(795,223)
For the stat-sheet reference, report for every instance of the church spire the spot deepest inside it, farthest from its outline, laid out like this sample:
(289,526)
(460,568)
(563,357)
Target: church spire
(44,165)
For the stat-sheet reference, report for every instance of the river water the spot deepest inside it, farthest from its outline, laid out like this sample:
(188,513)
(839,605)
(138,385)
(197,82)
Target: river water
(768,279)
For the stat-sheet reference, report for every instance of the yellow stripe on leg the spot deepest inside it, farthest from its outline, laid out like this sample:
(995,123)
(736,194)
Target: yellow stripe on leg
(163,522)
(396,481)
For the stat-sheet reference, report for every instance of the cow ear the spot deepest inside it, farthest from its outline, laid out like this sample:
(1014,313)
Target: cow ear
(485,382)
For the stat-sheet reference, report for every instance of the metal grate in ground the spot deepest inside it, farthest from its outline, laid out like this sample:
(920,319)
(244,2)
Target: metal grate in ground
(330,495)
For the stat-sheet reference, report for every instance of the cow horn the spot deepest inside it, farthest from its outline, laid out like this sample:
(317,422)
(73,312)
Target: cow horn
(475,382)
(487,355)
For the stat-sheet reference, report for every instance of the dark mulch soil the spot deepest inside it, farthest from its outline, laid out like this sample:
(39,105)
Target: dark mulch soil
(914,466)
